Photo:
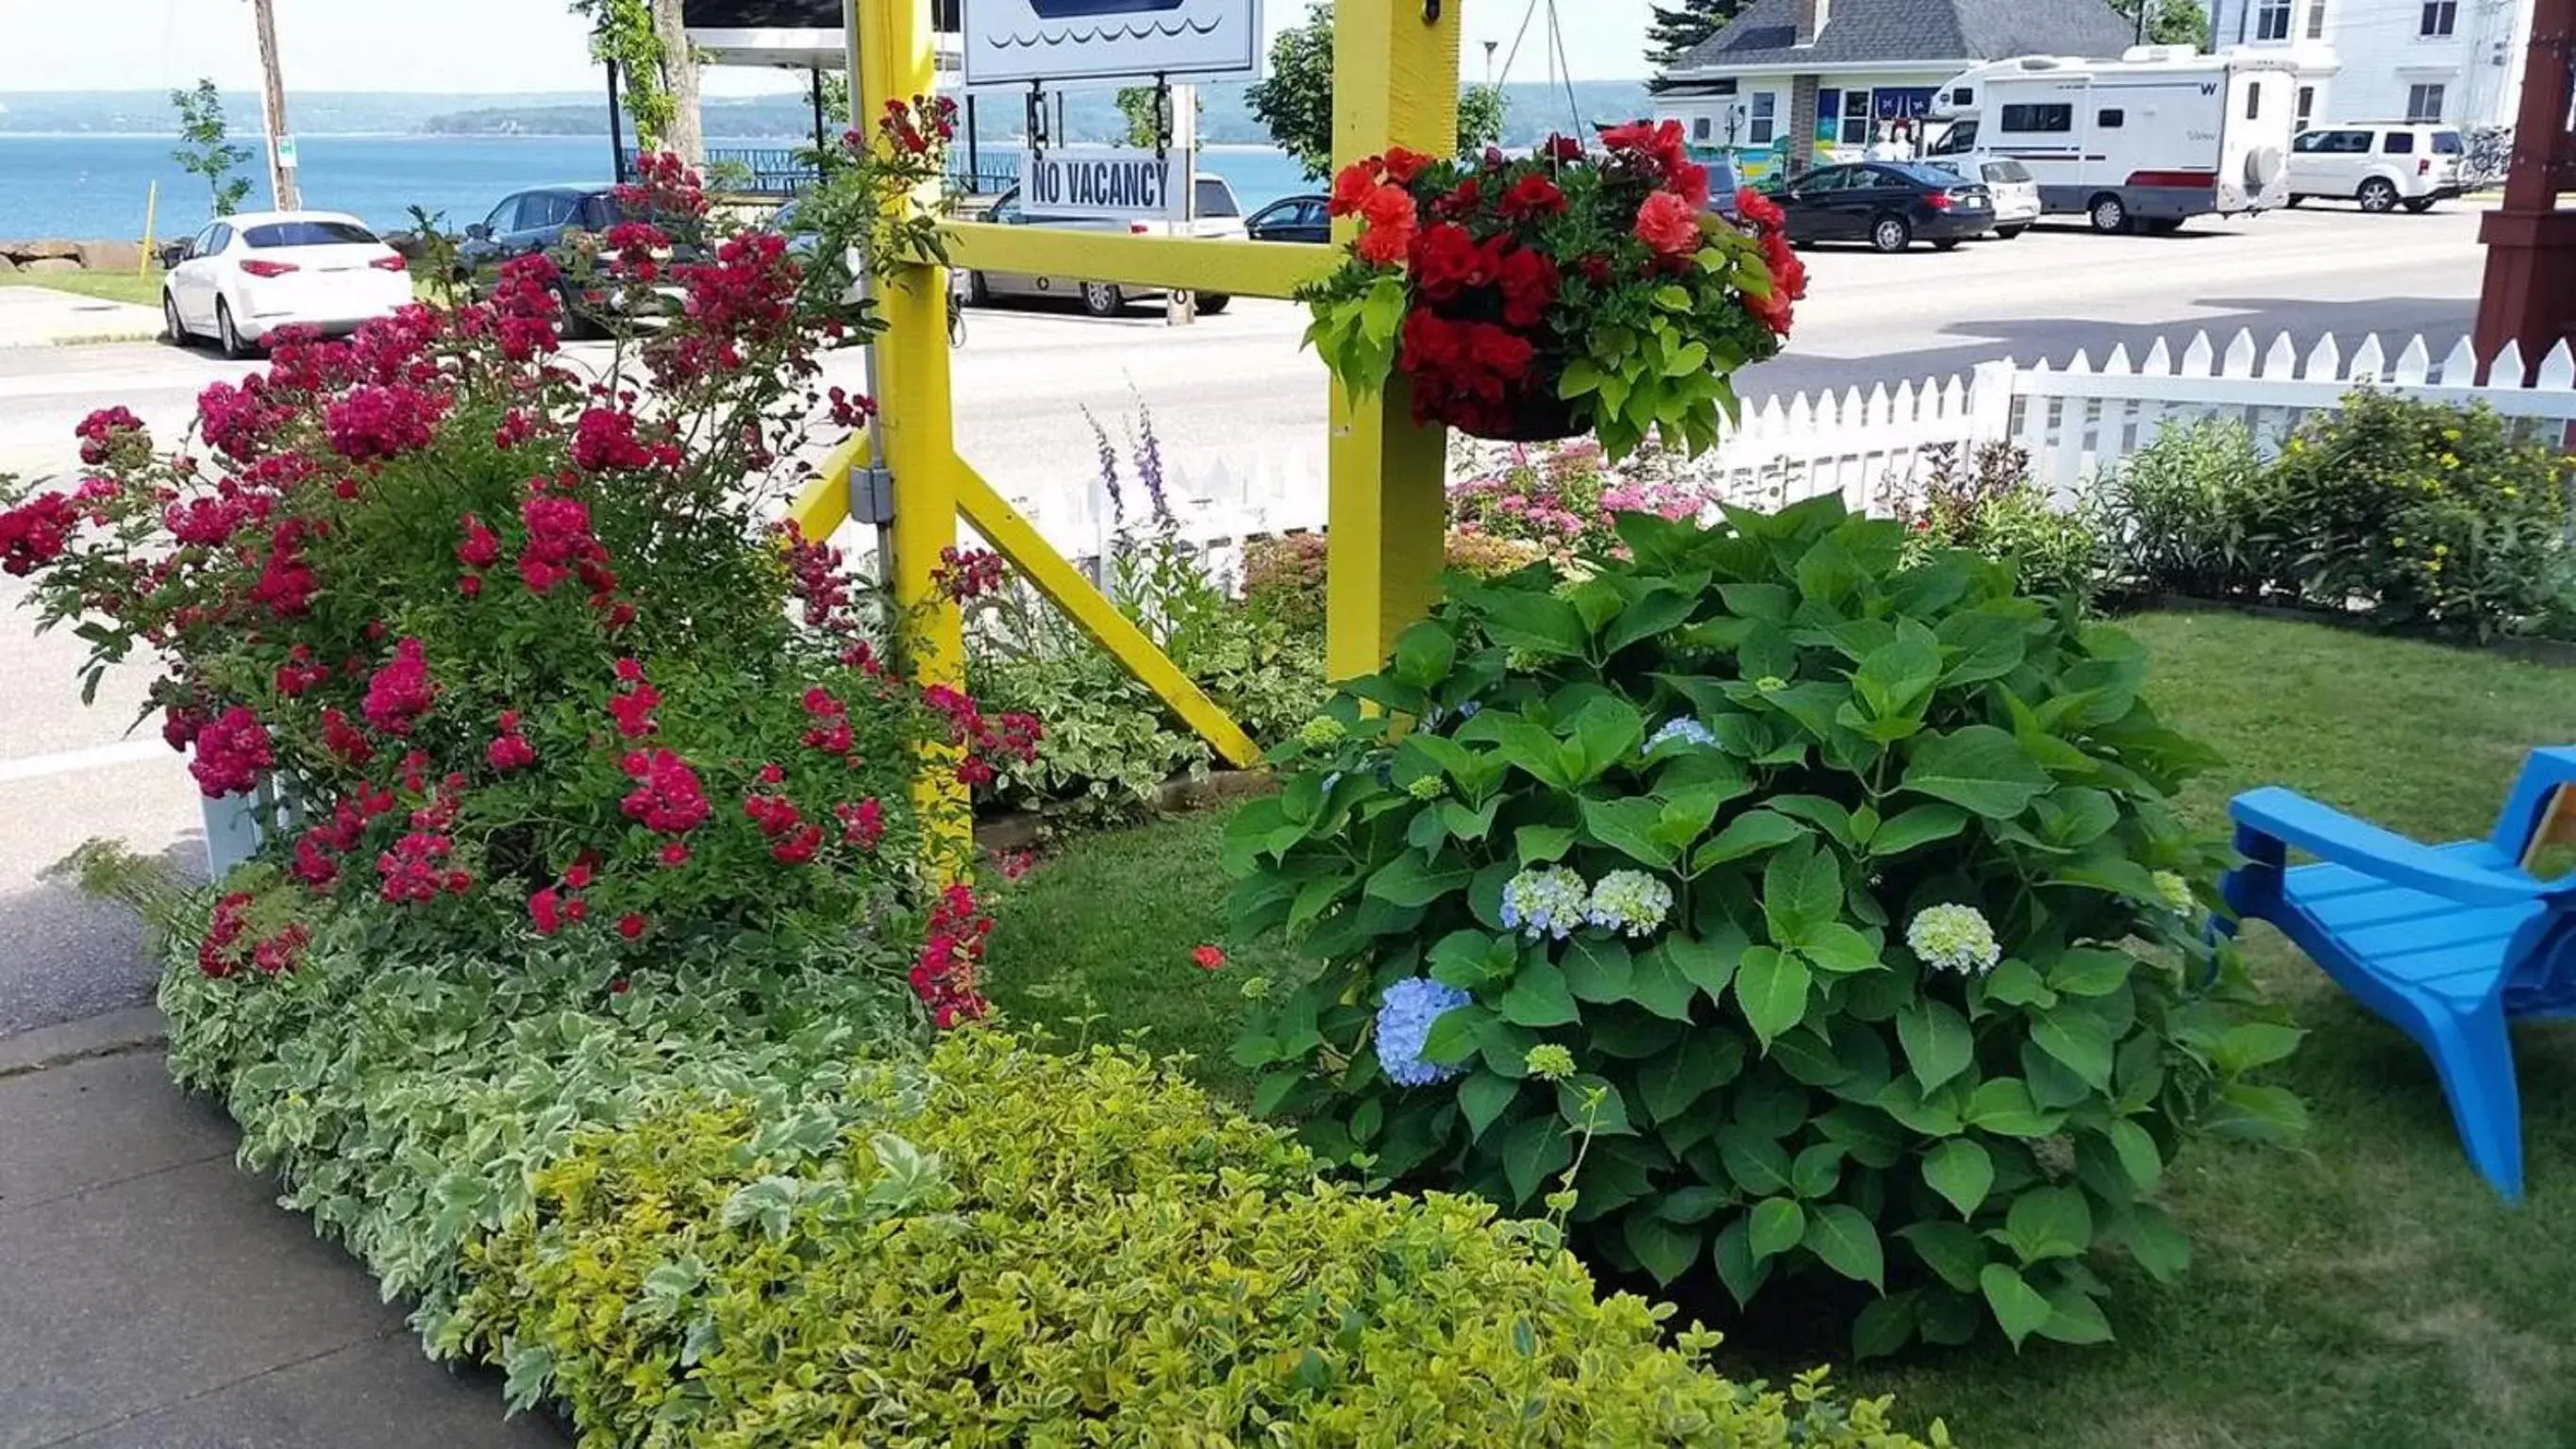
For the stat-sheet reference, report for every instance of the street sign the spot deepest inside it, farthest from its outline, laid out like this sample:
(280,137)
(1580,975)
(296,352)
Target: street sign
(1014,42)
(1104,181)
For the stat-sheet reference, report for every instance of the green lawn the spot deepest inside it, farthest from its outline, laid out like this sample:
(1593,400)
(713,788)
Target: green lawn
(2366,1290)
(143,291)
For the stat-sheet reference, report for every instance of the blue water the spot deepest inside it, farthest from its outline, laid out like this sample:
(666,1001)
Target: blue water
(95,186)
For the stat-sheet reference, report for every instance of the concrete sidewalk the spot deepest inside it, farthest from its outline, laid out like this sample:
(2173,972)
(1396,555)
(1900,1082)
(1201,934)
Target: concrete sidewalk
(153,1296)
(34,316)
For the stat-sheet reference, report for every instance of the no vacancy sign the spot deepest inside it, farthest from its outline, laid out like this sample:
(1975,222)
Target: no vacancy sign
(1014,42)
(1102,181)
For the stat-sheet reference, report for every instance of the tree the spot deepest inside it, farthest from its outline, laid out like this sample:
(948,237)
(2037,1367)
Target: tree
(1296,100)
(208,153)
(2170,22)
(1678,27)
(623,36)
(1144,129)
(686,136)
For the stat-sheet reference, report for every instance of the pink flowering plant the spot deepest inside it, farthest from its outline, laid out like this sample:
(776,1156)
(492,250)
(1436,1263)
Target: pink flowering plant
(1566,499)
(515,647)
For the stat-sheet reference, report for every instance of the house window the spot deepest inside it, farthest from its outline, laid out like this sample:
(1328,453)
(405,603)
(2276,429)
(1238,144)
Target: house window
(1702,128)
(1762,124)
(2424,103)
(2272,20)
(2050,118)
(2441,17)
(2316,19)
(2306,108)
(1856,115)
(2111,120)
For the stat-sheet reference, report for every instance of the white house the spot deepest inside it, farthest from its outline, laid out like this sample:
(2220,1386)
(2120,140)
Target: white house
(1810,80)
(2453,61)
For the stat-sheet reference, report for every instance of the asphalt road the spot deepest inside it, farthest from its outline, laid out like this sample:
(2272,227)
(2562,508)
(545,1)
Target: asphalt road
(1233,389)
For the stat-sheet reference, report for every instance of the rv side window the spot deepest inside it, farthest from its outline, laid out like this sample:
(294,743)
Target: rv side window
(2254,101)
(2112,120)
(2049,118)
(2399,143)
(1964,96)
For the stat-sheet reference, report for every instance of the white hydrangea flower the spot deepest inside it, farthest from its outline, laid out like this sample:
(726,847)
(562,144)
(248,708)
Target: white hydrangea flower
(1954,938)
(1629,902)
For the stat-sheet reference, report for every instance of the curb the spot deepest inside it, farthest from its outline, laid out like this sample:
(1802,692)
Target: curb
(133,1029)
(81,339)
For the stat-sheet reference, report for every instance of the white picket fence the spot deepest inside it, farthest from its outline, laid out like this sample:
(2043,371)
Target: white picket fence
(2075,422)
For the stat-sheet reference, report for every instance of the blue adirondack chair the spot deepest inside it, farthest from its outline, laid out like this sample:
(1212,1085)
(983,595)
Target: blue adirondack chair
(2446,942)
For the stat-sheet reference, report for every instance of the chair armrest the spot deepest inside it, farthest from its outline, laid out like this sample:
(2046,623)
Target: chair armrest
(2331,835)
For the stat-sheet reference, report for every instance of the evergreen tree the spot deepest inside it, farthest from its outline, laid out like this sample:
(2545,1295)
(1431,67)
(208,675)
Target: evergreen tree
(1679,26)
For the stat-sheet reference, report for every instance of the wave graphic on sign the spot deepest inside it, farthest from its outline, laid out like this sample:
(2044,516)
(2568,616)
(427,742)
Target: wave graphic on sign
(1086,35)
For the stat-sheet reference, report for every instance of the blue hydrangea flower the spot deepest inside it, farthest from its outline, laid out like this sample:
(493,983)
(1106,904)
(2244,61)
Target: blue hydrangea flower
(1548,901)
(1683,728)
(1630,903)
(1404,1018)
(1954,938)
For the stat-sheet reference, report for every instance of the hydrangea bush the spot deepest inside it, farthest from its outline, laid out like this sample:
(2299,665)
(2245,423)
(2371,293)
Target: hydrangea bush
(1839,900)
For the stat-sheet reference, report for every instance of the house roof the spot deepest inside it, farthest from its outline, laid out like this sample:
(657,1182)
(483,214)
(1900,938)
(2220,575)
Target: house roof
(1879,32)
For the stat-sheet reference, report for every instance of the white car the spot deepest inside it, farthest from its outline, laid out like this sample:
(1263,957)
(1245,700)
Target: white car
(2382,165)
(2015,190)
(248,274)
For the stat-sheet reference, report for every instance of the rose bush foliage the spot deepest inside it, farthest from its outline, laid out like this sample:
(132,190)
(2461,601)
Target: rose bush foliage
(510,637)
(1838,901)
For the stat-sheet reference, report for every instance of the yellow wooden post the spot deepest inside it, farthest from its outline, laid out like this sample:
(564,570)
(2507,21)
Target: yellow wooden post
(895,62)
(1395,83)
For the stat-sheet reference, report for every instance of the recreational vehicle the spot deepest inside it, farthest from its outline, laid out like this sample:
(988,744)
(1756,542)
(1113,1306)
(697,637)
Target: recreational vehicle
(2144,142)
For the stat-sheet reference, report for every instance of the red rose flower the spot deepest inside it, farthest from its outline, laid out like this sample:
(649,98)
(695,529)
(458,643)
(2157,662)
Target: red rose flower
(1447,261)
(1208,958)
(1389,219)
(1529,281)
(1533,196)
(1759,209)
(1668,225)
(1352,189)
(1403,165)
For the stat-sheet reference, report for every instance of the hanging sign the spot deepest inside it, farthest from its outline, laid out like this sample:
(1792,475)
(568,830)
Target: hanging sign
(1014,42)
(1111,182)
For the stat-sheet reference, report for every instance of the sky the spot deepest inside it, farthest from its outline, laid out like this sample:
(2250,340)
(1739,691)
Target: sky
(539,45)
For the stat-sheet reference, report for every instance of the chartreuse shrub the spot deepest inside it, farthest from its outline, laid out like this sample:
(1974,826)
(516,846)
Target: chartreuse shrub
(1071,1250)
(407,1095)
(1836,900)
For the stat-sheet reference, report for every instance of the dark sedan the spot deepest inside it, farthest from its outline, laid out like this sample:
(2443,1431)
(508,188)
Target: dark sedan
(1889,204)
(1293,219)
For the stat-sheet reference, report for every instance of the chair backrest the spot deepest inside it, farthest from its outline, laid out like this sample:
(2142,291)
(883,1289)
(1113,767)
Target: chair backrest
(2541,811)
(2538,831)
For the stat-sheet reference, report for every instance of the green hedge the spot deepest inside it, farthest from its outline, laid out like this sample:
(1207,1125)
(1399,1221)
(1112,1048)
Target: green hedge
(1072,1250)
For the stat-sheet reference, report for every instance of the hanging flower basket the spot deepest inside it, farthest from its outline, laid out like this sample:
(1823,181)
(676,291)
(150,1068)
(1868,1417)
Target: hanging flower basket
(1555,295)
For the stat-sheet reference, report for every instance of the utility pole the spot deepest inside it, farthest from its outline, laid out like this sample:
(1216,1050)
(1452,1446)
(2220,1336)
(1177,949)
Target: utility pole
(272,111)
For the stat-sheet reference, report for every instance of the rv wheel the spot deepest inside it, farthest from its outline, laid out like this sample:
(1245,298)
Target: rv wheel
(2110,214)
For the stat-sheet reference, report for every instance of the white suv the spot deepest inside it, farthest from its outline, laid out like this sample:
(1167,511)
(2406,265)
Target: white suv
(2381,165)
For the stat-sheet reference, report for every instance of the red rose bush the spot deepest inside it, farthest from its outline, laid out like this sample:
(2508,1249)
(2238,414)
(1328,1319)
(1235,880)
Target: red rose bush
(509,650)
(1563,293)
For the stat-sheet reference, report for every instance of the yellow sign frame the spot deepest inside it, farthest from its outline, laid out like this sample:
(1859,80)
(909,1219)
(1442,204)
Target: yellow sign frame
(1395,68)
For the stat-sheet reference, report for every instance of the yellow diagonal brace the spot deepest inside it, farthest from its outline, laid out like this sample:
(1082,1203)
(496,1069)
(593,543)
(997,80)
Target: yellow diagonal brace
(824,506)
(1065,586)
(1234,268)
